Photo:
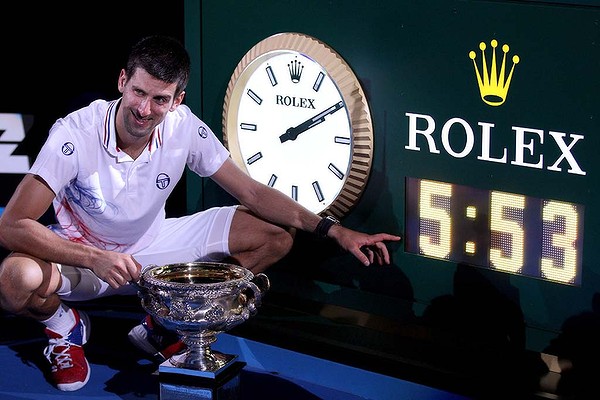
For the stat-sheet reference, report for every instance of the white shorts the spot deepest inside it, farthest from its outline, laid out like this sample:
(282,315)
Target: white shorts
(202,236)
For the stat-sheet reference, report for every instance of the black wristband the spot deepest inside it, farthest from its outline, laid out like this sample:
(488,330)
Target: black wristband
(324,225)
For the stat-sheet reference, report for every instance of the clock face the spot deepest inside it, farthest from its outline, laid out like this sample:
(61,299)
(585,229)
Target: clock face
(289,125)
(294,130)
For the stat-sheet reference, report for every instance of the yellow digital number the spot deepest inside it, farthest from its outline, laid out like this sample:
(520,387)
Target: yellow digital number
(431,192)
(564,240)
(510,227)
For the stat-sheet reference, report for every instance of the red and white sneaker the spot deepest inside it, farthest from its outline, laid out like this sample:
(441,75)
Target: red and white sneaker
(157,342)
(70,369)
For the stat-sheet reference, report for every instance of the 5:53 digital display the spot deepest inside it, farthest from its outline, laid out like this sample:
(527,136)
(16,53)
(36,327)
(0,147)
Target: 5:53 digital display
(507,232)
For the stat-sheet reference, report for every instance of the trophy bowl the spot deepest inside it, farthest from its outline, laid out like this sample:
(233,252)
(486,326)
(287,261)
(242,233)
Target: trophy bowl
(199,300)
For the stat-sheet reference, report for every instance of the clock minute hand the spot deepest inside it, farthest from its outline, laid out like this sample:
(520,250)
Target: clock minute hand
(293,132)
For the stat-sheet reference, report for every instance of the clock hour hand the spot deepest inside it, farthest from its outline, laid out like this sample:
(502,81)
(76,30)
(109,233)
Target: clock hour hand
(293,132)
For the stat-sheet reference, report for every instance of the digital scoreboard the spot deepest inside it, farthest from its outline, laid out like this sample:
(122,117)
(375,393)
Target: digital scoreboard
(507,232)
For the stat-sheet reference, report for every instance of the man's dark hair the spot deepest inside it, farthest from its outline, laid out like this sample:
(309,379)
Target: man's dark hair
(163,57)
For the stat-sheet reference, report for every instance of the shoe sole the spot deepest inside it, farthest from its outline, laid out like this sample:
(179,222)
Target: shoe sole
(86,326)
(138,336)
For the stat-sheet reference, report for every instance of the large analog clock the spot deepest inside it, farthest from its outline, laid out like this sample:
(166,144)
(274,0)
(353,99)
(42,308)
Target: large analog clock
(296,118)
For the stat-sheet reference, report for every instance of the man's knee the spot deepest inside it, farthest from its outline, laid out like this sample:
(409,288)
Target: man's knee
(282,243)
(21,278)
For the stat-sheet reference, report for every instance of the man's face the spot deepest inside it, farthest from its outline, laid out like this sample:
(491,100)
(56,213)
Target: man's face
(146,102)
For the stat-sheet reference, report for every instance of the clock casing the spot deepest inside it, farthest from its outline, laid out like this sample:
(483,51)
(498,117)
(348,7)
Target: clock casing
(295,117)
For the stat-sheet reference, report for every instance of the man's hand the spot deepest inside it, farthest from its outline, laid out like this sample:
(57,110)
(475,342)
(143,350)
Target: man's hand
(366,248)
(117,269)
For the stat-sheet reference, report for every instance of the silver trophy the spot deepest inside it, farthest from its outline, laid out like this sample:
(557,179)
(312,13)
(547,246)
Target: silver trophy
(199,300)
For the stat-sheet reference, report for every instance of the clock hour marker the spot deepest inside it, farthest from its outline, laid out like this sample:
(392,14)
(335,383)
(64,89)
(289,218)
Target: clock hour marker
(318,82)
(254,96)
(342,140)
(272,180)
(295,192)
(318,191)
(254,158)
(335,171)
(271,76)
(248,127)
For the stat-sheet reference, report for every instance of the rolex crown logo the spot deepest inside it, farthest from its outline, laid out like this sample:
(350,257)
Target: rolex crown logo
(295,68)
(493,85)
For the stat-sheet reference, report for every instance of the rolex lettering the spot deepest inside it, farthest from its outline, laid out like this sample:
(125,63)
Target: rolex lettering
(291,101)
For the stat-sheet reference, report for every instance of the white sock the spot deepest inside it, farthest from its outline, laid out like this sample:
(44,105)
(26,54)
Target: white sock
(62,321)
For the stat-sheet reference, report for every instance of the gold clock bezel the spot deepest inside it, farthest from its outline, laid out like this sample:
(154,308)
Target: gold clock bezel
(350,89)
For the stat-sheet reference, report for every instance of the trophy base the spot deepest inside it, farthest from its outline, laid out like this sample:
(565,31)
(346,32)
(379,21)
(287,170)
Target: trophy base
(211,369)
(176,383)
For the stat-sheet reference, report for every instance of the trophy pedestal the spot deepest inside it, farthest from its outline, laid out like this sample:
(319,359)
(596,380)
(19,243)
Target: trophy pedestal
(177,383)
(211,366)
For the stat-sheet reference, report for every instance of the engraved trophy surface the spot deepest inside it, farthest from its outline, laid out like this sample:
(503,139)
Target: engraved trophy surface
(199,300)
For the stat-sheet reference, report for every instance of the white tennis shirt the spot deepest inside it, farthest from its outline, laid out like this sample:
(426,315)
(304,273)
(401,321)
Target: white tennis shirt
(105,198)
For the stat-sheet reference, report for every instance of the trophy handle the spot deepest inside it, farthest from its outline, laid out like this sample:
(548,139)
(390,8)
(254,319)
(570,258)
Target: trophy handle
(258,286)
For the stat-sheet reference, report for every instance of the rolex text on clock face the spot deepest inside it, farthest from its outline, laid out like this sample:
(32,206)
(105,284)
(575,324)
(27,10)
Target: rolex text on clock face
(293,128)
